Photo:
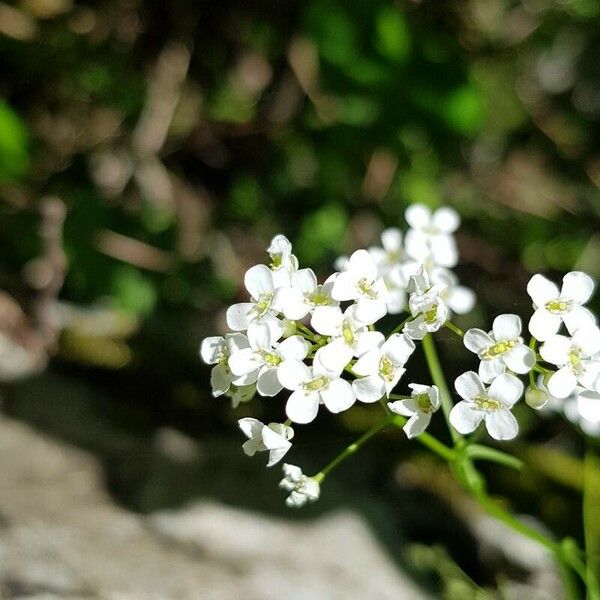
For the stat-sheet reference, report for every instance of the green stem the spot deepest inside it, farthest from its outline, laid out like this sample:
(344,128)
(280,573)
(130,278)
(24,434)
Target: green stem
(435,369)
(427,440)
(452,327)
(399,327)
(591,521)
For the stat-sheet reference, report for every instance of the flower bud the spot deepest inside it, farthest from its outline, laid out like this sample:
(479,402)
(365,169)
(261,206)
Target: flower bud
(536,398)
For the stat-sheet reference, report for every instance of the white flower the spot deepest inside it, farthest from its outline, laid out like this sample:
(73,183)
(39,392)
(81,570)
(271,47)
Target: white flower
(348,336)
(491,404)
(361,282)
(302,489)
(426,305)
(312,385)
(553,307)
(423,402)
(304,295)
(216,350)
(380,369)
(572,356)
(502,348)
(283,262)
(261,361)
(263,308)
(391,253)
(430,238)
(458,298)
(273,437)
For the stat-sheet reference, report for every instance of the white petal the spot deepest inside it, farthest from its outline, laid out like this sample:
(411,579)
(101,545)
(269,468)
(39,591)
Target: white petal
(252,446)
(273,439)
(319,368)
(415,329)
(577,286)
(327,320)
(444,250)
(588,405)
(305,280)
(292,373)
(368,364)
(336,355)
(259,280)
(280,245)
(417,245)
(362,265)
(506,388)
(236,342)
(460,299)
(291,302)
(417,424)
(543,324)
(391,239)
(259,336)
(251,427)
(368,311)
(369,389)
(367,340)
(244,362)
(301,407)
(562,383)
(238,316)
(295,347)
(579,317)
(588,339)
(399,348)
(211,349)
(541,290)
(520,359)
(220,380)
(465,417)
(446,219)
(277,454)
(556,350)
(501,424)
(506,327)
(400,408)
(589,377)
(477,340)
(418,216)
(489,369)
(344,287)
(268,383)
(468,385)
(338,396)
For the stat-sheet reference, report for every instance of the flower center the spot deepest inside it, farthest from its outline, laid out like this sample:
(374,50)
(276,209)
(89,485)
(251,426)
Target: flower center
(276,260)
(424,403)
(486,403)
(366,289)
(498,349)
(575,359)
(387,368)
(430,315)
(318,298)
(263,304)
(348,333)
(316,385)
(558,306)
(270,358)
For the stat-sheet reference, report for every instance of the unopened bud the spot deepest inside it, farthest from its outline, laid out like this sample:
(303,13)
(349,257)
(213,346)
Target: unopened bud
(536,398)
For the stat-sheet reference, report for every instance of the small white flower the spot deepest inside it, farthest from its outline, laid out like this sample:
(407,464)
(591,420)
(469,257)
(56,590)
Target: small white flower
(263,308)
(430,240)
(274,437)
(302,489)
(283,262)
(261,361)
(304,295)
(500,349)
(349,337)
(458,298)
(380,369)
(491,405)
(216,350)
(572,356)
(423,402)
(553,307)
(392,251)
(361,282)
(311,386)
(426,305)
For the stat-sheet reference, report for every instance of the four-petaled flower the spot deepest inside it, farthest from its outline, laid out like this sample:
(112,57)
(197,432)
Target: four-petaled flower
(500,349)
(491,405)
(380,369)
(274,438)
(302,488)
(283,262)
(426,306)
(553,307)
(423,402)
(216,350)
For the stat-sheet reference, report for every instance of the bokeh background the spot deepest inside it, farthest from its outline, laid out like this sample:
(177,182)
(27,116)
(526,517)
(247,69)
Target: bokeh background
(148,153)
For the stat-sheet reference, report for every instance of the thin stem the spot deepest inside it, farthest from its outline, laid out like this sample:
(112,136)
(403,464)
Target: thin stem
(435,369)
(591,521)
(402,324)
(452,327)
(399,397)
(351,449)
(427,440)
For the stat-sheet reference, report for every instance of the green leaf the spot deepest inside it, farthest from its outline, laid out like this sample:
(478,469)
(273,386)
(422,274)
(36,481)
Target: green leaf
(14,139)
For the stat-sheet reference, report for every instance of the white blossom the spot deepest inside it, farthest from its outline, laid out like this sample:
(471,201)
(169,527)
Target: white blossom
(573,357)
(274,438)
(362,283)
(501,348)
(312,386)
(458,298)
(423,402)
(283,262)
(491,405)
(426,306)
(302,488)
(216,350)
(380,369)
(392,251)
(263,307)
(430,240)
(349,337)
(260,362)
(553,307)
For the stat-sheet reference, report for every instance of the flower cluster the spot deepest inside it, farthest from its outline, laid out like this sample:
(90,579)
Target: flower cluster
(318,343)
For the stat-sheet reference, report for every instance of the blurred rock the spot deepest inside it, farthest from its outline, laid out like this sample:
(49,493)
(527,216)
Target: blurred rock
(62,536)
